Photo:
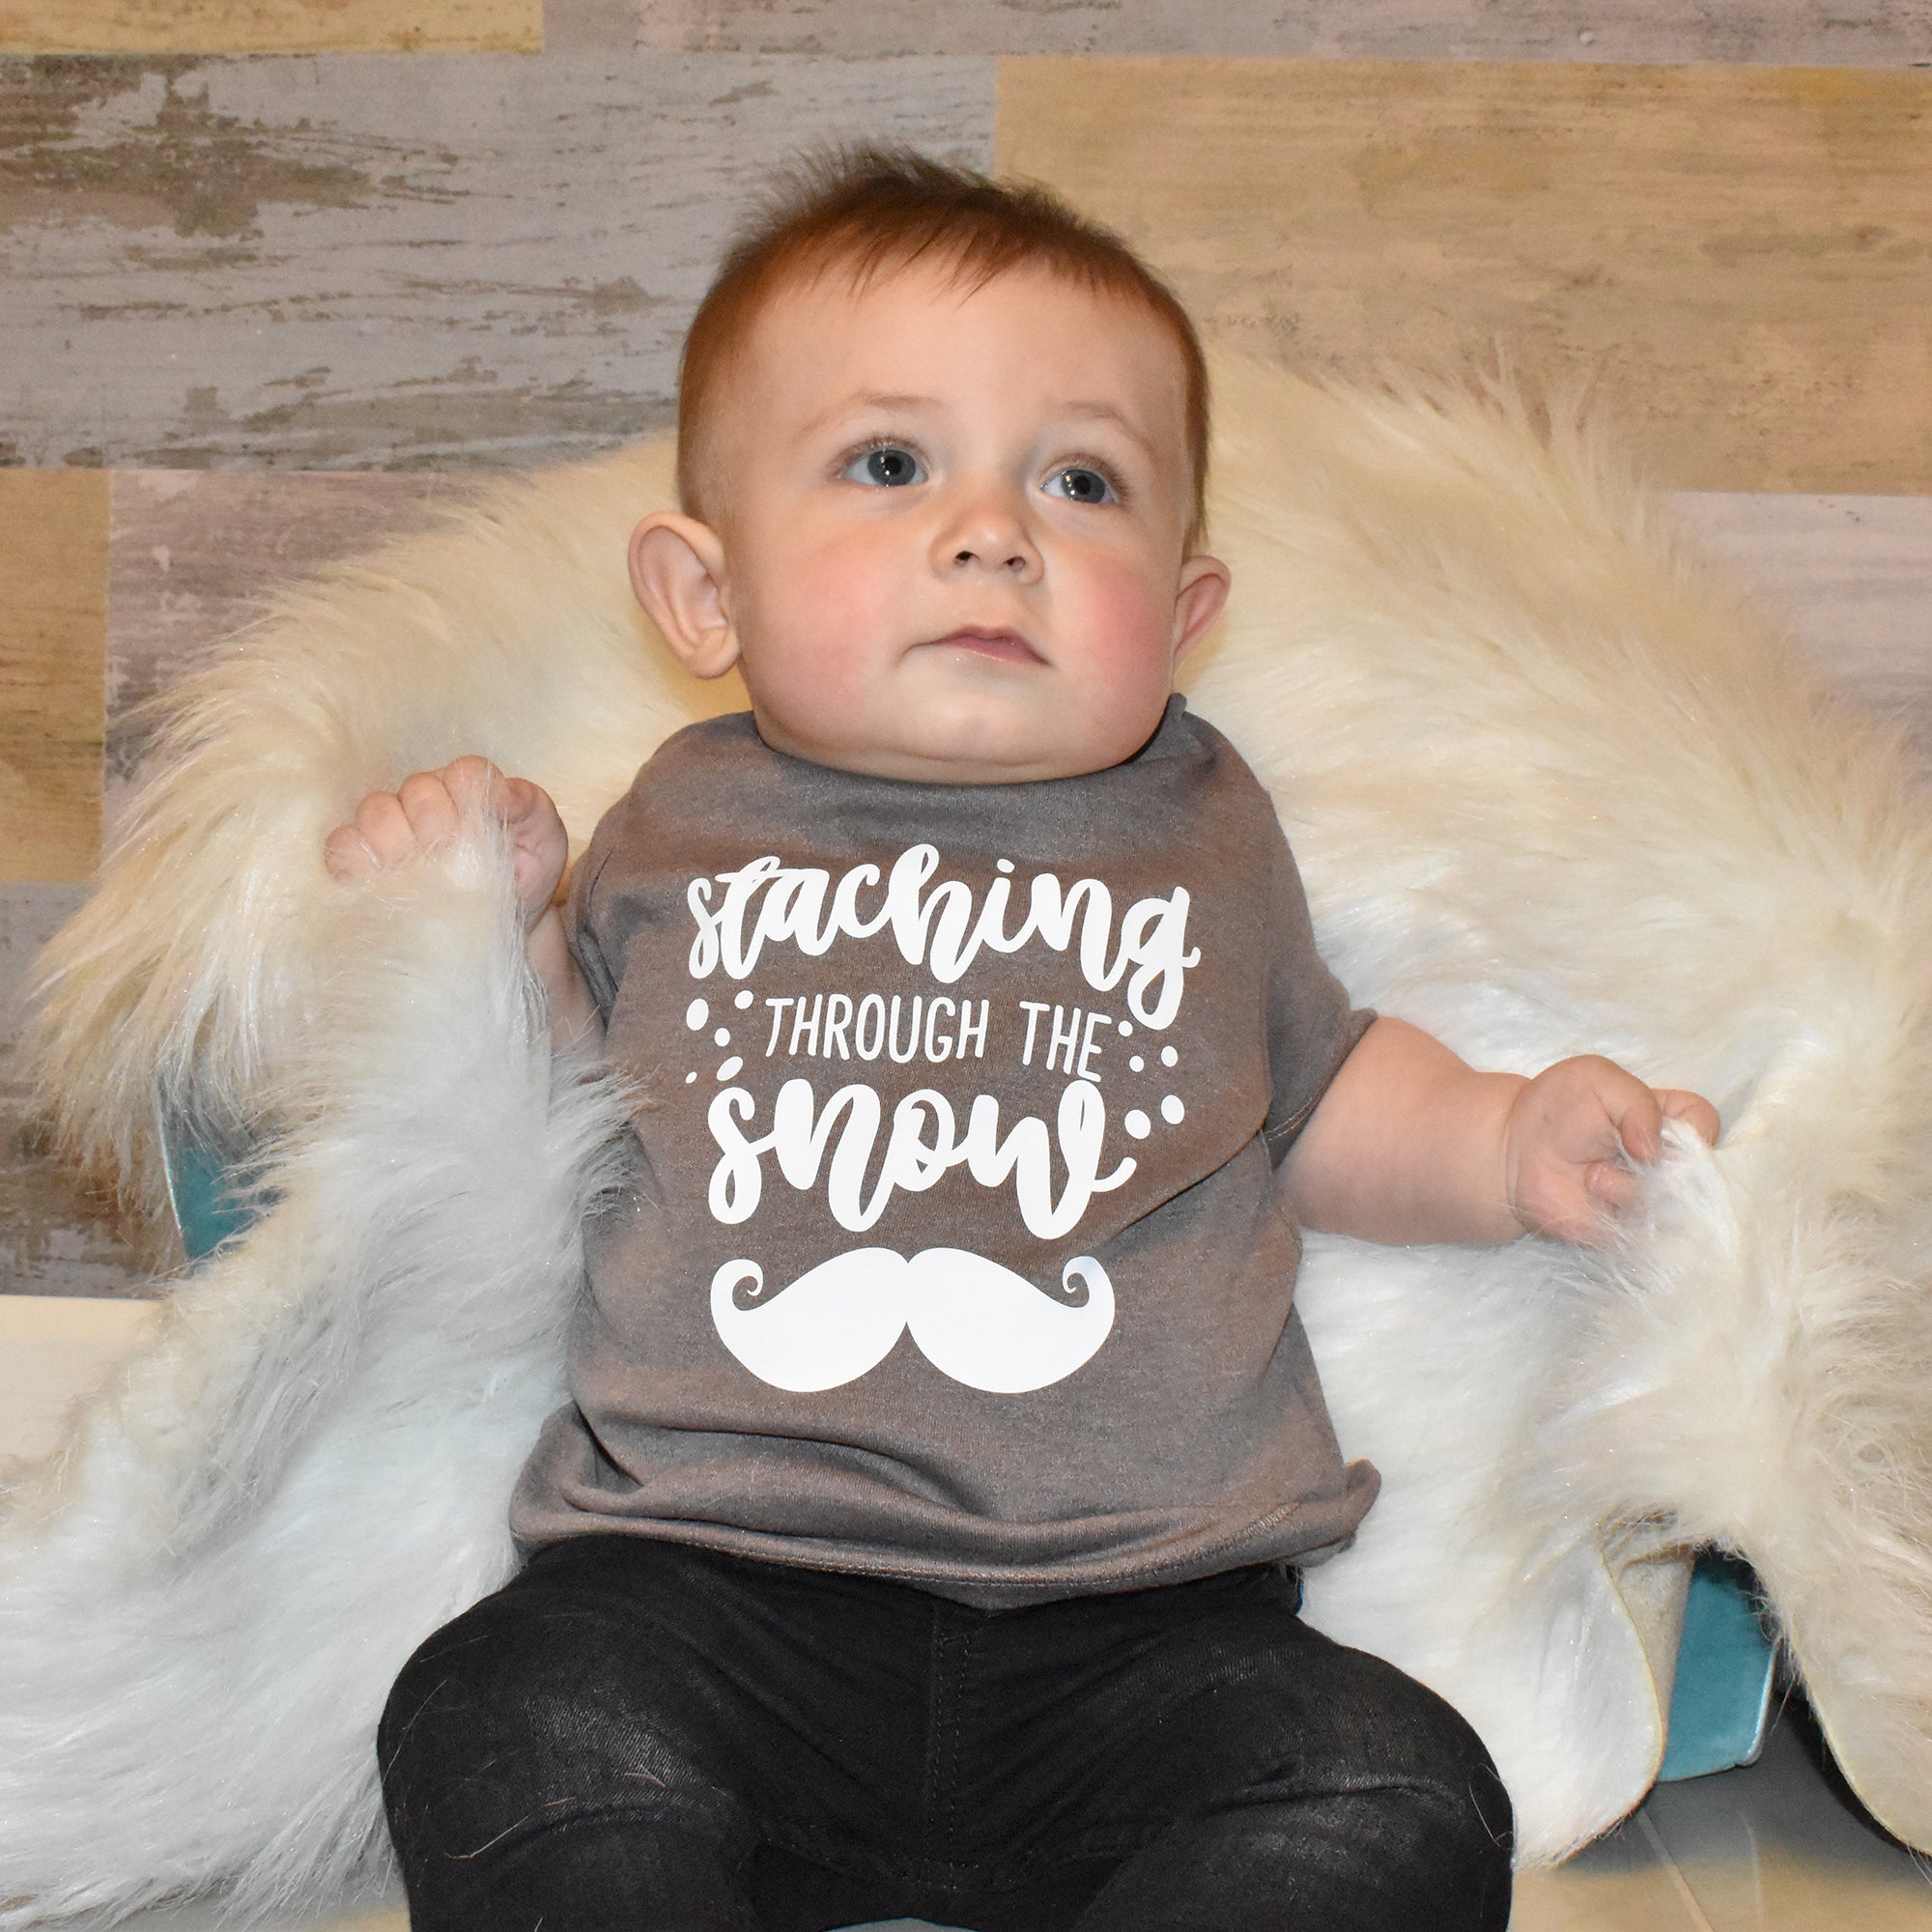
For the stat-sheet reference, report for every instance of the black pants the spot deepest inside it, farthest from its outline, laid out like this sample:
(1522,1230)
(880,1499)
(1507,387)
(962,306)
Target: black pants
(638,1735)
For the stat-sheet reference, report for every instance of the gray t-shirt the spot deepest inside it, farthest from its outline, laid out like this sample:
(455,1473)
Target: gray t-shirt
(953,1248)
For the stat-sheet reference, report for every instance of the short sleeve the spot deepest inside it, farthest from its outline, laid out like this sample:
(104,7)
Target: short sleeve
(589,946)
(1311,1027)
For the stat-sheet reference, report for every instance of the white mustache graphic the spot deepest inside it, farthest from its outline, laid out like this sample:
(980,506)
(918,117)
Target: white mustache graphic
(972,1320)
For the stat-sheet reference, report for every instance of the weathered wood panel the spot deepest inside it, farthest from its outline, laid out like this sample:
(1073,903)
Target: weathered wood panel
(605,26)
(28,916)
(1743,254)
(1852,576)
(193,553)
(269,26)
(54,633)
(393,261)
(1821,33)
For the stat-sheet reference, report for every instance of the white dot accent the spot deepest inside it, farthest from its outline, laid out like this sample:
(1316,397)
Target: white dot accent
(1169,1057)
(1172,1111)
(1005,864)
(730,1068)
(743,1000)
(1137,1124)
(1137,1065)
(722,1037)
(1126,1026)
(696,1014)
(689,1078)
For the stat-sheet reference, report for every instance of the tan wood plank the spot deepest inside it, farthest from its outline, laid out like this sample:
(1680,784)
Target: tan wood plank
(1824,33)
(269,26)
(53,635)
(370,261)
(1742,254)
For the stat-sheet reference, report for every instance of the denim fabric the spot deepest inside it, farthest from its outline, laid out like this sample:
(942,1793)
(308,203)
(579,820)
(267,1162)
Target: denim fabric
(638,1734)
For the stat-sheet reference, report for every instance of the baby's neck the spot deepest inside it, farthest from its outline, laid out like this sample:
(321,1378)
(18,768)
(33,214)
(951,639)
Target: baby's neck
(924,768)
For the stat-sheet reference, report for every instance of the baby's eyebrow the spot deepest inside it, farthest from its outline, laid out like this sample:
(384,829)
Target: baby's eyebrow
(1108,413)
(886,403)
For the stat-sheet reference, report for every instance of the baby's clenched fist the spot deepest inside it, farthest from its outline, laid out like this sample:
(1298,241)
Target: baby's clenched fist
(1574,1134)
(390,828)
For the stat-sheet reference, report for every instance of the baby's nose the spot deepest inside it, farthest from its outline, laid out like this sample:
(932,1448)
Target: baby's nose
(997,555)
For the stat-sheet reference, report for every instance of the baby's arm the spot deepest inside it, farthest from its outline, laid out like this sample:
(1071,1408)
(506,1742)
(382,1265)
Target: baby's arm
(1411,1143)
(390,828)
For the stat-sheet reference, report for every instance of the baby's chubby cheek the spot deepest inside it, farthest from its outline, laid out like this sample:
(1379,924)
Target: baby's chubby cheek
(806,629)
(1126,628)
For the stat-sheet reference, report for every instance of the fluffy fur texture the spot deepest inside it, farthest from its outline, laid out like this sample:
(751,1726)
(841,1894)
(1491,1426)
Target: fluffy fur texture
(1552,787)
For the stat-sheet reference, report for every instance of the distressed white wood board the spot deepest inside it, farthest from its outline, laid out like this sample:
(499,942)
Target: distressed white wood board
(1852,578)
(191,553)
(387,260)
(603,26)
(1801,33)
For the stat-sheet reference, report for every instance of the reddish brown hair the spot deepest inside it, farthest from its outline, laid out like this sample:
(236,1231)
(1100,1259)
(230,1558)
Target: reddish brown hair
(871,210)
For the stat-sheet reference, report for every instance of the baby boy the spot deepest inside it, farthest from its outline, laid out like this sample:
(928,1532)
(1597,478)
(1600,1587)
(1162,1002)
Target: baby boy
(922,1535)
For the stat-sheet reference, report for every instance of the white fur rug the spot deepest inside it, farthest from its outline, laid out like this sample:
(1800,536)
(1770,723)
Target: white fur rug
(1552,787)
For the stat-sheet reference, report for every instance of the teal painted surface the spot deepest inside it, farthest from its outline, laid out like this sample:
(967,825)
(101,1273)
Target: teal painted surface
(201,1189)
(1721,1703)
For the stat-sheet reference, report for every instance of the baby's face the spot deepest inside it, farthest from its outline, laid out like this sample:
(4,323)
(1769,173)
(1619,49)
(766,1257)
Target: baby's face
(949,536)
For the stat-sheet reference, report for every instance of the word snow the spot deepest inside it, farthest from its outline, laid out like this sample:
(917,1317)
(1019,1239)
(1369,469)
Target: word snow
(922,1145)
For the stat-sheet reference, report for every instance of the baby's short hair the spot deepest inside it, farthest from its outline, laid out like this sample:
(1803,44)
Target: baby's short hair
(871,210)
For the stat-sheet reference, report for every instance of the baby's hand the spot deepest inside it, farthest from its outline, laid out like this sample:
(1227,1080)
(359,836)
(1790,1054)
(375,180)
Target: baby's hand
(1572,1134)
(390,828)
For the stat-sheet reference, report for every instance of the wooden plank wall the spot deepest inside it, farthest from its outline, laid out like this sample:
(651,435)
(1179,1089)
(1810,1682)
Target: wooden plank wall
(288,271)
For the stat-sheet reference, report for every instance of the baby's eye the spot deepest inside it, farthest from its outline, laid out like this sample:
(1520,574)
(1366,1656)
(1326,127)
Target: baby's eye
(1080,485)
(888,465)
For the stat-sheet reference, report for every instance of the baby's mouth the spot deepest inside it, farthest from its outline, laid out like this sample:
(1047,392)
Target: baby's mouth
(1007,645)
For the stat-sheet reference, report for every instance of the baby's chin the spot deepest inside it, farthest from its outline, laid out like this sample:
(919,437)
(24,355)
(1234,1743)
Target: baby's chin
(966,748)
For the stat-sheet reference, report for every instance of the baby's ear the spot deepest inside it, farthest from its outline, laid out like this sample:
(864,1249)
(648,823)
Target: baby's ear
(1204,583)
(677,570)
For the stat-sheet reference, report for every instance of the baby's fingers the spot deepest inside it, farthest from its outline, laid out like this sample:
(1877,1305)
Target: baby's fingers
(475,786)
(427,804)
(1694,1110)
(348,855)
(1639,1118)
(386,828)
(1614,1187)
